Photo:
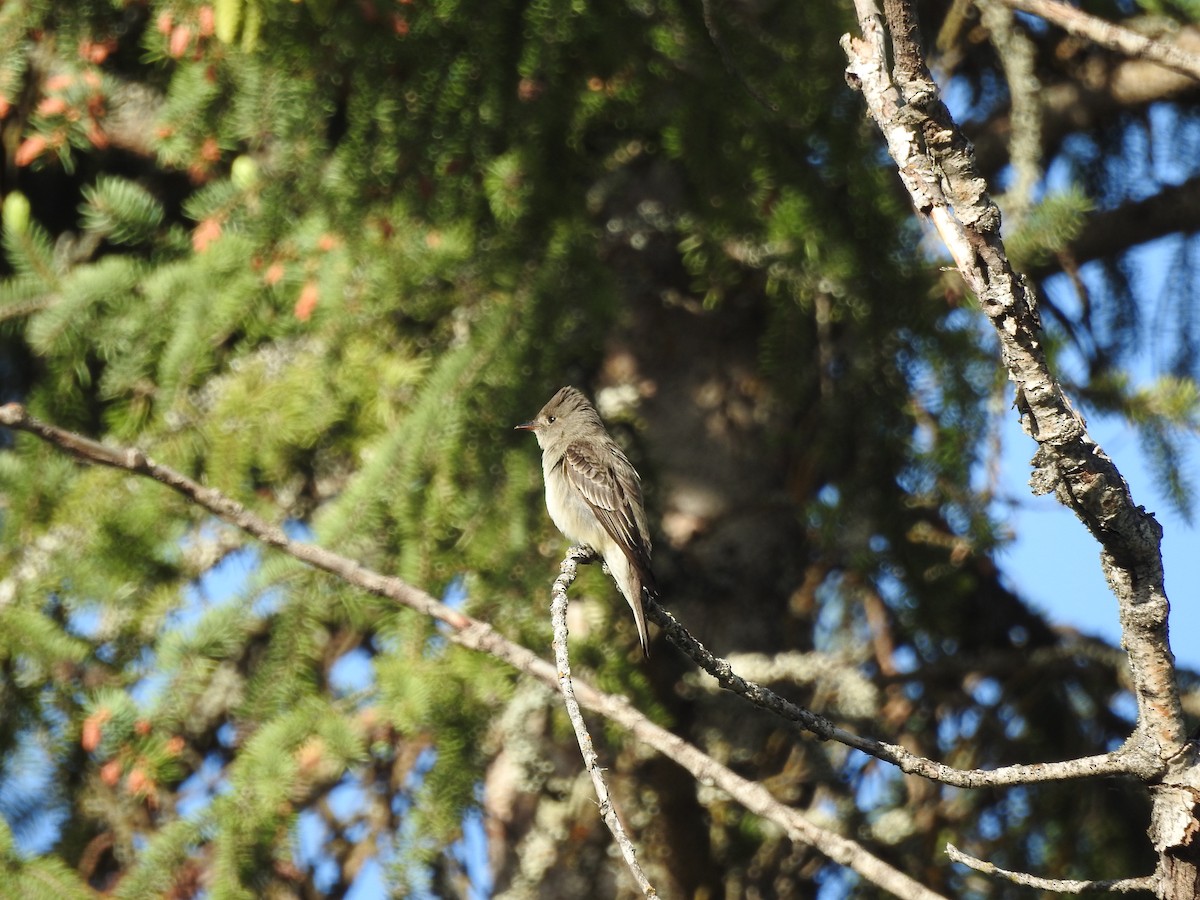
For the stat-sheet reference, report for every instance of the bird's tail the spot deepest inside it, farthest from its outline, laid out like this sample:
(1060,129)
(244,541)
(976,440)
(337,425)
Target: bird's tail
(639,614)
(631,583)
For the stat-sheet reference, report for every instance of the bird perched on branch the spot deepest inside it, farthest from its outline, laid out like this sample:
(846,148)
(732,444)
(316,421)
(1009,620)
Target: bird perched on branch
(594,495)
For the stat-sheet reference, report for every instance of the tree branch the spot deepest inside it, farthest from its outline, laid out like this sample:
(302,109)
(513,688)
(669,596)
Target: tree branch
(937,166)
(479,636)
(1172,210)
(1093,96)
(608,810)
(1128,760)
(1060,885)
(1124,761)
(1114,37)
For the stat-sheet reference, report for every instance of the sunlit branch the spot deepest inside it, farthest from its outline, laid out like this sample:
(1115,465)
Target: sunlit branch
(608,810)
(1126,760)
(1075,21)
(475,635)
(937,166)
(1059,885)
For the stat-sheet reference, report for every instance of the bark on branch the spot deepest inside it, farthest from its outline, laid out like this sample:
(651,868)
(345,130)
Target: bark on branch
(1058,885)
(1128,760)
(481,637)
(1115,37)
(608,810)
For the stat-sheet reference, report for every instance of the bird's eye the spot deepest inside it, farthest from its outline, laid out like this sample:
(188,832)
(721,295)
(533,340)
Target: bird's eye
(550,419)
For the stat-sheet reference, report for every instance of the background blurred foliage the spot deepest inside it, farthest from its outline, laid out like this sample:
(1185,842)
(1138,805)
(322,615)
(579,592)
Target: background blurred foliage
(323,255)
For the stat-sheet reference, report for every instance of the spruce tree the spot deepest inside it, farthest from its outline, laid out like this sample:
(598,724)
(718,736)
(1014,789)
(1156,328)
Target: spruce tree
(323,256)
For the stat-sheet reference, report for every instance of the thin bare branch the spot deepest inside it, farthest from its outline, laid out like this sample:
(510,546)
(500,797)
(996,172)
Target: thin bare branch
(1075,21)
(479,636)
(1059,885)
(1124,761)
(608,810)
(756,798)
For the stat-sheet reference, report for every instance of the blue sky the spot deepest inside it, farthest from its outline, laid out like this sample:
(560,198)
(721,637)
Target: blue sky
(1054,562)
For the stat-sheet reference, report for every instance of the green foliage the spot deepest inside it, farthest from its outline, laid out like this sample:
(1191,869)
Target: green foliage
(1168,414)
(30,251)
(41,878)
(159,864)
(121,211)
(33,644)
(1048,227)
(1179,10)
(424,693)
(507,188)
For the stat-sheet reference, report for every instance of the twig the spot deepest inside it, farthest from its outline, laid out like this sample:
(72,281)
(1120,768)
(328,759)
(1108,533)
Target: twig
(479,636)
(608,810)
(754,797)
(1059,885)
(1124,761)
(1115,37)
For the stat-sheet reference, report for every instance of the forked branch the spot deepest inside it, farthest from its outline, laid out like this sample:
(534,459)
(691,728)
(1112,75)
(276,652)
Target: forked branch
(479,636)
(937,166)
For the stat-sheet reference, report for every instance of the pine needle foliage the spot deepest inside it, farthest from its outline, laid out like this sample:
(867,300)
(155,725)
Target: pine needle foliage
(121,211)
(1048,227)
(41,878)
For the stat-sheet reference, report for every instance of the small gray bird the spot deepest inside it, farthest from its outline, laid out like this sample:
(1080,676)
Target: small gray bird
(594,495)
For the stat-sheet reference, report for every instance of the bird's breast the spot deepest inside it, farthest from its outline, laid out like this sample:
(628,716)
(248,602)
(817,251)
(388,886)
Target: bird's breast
(568,509)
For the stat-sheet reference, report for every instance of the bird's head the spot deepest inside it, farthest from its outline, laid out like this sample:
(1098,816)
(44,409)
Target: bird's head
(566,414)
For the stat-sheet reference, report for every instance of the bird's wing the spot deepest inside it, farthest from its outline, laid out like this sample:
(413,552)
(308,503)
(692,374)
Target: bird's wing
(617,507)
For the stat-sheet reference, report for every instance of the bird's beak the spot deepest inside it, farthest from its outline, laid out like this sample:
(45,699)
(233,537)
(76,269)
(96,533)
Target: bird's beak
(525,426)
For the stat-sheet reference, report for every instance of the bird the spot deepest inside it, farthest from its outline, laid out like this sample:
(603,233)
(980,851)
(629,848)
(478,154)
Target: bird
(594,495)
